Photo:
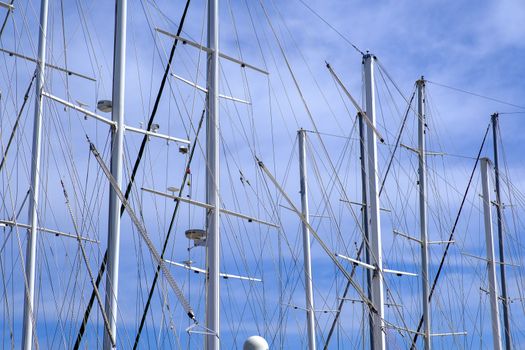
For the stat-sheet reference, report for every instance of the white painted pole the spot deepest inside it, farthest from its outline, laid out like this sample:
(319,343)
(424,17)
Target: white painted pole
(375,246)
(29,314)
(212,180)
(117,150)
(421,111)
(494,311)
(310,314)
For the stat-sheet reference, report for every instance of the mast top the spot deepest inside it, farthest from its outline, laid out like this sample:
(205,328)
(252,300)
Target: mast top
(368,55)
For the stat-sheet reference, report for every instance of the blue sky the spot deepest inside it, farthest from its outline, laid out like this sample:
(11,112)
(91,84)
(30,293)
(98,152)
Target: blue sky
(474,48)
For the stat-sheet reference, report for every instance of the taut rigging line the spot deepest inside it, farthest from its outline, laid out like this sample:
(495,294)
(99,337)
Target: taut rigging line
(143,233)
(17,122)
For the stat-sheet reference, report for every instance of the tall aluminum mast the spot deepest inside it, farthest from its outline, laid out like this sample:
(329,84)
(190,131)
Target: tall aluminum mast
(375,246)
(117,149)
(421,111)
(489,239)
(310,313)
(212,180)
(29,294)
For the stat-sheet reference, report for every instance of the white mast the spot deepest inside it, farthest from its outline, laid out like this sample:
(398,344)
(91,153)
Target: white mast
(310,315)
(117,149)
(29,315)
(496,336)
(421,111)
(374,245)
(212,180)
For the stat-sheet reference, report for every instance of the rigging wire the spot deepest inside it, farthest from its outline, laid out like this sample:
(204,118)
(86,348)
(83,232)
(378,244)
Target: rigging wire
(17,122)
(86,261)
(511,196)
(477,95)
(398,140)
(144,234)
(63,22)
(6,18)
(332,27)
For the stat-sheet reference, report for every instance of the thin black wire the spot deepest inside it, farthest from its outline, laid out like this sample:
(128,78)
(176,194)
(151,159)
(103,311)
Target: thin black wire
(133,174)
(332,27)
(451,237)
(398,140)
(17,122)
(6,18)
(477,95)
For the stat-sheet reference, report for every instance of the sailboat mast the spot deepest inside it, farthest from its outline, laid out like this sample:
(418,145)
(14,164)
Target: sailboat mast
(421,111)
(212,180)
(117,149)
(29,315)
(504,297)
(310,314)
(375,246)
(489,239)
